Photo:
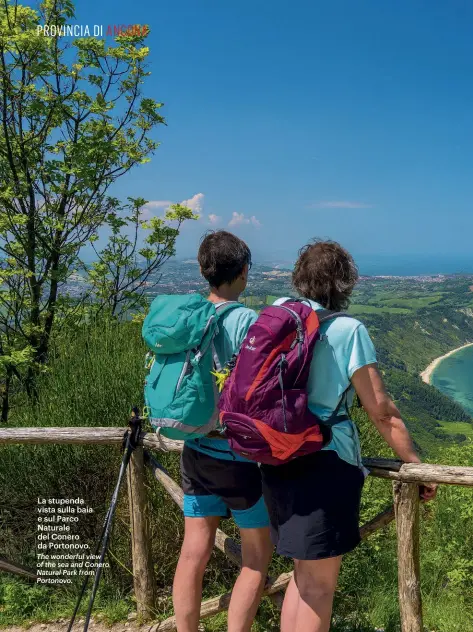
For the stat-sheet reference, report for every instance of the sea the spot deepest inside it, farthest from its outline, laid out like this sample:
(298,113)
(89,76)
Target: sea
(454,377)
(392,264)
(413,265)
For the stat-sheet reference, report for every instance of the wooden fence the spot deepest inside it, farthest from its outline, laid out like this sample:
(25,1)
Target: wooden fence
(406,480)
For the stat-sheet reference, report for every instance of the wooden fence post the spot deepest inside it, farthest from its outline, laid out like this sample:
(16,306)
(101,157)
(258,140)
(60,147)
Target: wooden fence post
(406,505)
(143,577)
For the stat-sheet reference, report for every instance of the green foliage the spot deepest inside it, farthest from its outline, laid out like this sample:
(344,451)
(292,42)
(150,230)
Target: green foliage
(117,276)
(405,388)
(19,599)
(423,408)
(73,121)
(409,342)
(96,375)
(104,362)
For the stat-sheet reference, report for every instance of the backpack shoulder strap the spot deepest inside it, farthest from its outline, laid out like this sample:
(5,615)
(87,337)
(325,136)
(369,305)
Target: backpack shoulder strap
(222,309)
(322,314)
(326,314)
(227,306)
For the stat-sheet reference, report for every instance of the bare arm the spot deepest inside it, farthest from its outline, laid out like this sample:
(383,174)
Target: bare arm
(385,415)
(383,412)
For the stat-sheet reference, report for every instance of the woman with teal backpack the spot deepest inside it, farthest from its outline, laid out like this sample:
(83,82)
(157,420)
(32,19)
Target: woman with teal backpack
(192,339)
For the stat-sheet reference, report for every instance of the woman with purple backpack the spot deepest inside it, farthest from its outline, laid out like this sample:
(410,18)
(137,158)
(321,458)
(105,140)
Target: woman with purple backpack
(314,500)
(287,406)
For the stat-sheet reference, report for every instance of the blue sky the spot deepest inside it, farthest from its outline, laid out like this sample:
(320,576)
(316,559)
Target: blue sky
(344,119)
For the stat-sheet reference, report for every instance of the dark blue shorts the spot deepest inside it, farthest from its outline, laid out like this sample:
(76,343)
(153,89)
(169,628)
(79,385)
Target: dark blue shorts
(314,505)
(218,487)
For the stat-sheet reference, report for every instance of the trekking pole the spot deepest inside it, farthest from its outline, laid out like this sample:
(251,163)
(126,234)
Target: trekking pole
(130,442)
(86,580)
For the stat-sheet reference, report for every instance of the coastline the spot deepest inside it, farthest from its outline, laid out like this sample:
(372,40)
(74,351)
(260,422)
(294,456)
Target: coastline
(426,374)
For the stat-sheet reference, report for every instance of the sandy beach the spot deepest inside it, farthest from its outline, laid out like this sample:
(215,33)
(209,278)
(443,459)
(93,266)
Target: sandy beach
(426,374)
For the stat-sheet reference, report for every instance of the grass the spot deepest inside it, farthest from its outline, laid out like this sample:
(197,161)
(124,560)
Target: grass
(95,377)
(458,427)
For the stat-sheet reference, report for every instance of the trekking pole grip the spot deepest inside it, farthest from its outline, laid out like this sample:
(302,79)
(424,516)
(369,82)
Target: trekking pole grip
(135,422)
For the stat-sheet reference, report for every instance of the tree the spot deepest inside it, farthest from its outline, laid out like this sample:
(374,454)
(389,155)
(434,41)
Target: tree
(72,121)
(118,277)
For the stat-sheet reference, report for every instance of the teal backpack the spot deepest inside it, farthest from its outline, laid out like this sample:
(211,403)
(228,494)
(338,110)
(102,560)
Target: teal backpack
(180,389)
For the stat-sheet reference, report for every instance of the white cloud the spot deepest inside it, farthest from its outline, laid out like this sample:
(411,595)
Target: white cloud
(195,203)
(340,204)
(238,219)
(153,205)
(158,204)
(214,219)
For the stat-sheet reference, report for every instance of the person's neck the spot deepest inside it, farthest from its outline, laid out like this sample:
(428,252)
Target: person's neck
(223,294)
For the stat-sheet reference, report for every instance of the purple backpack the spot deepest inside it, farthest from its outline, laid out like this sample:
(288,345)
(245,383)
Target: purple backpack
(263,406)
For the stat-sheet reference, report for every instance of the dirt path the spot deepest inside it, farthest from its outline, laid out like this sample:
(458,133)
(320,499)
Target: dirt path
(95,626)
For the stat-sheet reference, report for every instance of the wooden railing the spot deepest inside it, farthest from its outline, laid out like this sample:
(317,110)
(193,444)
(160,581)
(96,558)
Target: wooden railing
(406,480)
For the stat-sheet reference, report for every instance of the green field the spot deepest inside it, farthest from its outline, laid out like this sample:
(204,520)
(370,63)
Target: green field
(414,302)
(371,309)
(258,301)
(458,427)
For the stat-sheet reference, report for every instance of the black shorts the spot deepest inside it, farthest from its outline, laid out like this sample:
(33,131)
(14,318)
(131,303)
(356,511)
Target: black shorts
(314,505)
(220,487)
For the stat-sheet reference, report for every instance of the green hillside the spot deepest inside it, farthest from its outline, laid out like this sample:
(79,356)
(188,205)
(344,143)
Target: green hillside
(96,374)
(405,346)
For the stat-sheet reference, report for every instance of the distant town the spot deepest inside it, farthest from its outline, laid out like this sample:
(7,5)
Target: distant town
(265,281)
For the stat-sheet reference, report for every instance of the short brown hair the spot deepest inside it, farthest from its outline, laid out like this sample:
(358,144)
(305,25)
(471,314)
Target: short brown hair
(222,257)
(325,272)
